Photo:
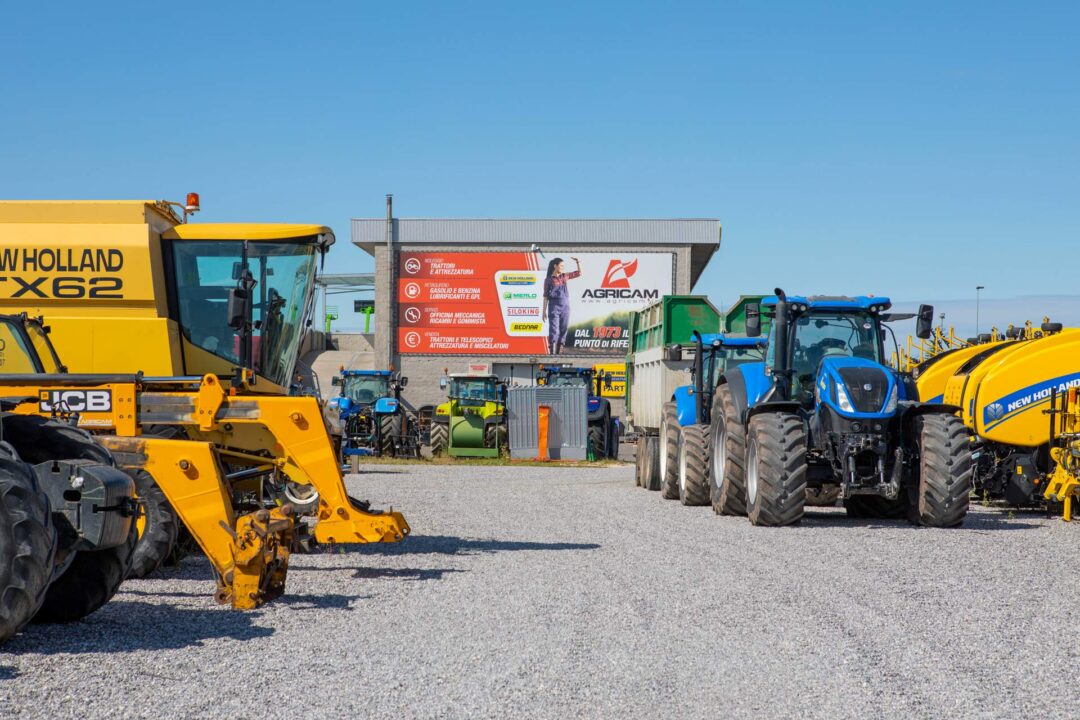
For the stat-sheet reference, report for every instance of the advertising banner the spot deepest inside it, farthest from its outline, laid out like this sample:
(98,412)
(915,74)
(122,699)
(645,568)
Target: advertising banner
(519,303)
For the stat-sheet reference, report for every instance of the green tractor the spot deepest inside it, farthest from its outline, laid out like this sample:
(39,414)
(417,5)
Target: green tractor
(472,423)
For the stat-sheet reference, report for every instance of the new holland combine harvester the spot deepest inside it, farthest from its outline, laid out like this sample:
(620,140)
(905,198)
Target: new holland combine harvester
(183,338)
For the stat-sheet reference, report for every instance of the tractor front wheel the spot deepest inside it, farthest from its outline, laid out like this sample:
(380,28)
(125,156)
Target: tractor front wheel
(495,436)
(945,469)
(598,438)
(694,465)
(389,430)
(438,438)
(775,469)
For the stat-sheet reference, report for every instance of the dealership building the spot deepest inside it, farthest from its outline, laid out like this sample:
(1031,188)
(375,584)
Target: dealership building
(450,294)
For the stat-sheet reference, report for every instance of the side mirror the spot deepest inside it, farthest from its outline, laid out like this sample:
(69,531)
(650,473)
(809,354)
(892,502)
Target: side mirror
(753,320)
(442,383)
(336,381)
(403,381)
(607,381)
(924,323)
(238,309)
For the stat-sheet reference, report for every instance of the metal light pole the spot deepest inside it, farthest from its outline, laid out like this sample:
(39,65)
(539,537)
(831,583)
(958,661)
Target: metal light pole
(978,288)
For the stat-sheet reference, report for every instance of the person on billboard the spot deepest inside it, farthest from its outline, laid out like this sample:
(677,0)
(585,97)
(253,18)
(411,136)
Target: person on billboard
(557,302)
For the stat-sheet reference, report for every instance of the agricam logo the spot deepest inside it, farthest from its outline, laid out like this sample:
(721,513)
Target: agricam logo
(619,273)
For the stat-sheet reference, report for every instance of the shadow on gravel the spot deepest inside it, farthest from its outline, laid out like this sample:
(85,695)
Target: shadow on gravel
(7,672)
(128,626)
(453,545)
(319,602)
(974,521)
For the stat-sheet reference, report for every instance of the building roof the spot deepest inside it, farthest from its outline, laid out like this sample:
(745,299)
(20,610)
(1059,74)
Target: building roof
(701,234)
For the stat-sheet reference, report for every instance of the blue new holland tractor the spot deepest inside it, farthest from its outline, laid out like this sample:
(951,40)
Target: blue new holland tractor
(824,408)
(372,417)
(684,423)
(604,430)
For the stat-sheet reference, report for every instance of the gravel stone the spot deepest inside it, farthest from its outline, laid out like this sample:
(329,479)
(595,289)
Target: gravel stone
(560,592)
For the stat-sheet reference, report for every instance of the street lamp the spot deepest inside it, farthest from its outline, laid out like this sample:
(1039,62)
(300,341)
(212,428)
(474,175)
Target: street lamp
(978,288)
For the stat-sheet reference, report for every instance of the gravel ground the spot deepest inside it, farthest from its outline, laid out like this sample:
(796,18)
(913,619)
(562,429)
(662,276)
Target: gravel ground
(563,593)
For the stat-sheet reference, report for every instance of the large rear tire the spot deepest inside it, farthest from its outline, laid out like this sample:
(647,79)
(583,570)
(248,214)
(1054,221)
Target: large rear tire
(157,528)
(89,582)
(389,430)
(694,465)
(27,546)
(775,469)
(669,452)
(598,439)
(727,458)
(945,470)
(438,439)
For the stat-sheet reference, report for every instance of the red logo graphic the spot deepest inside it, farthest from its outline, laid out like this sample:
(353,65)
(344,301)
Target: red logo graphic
(619,273)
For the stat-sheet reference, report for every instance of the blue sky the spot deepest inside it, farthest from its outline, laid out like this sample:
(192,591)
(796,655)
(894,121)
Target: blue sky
(909,149)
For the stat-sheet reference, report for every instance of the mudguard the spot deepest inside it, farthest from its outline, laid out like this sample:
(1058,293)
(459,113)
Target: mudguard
(685,405)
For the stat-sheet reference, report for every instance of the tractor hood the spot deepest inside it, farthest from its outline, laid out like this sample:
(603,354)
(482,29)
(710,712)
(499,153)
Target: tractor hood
(857,388)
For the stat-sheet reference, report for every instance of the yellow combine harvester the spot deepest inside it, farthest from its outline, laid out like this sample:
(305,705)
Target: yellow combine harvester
(191,333)
(1001,389)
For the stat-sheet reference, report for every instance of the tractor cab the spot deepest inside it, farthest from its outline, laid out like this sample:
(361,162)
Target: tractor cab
(475,391)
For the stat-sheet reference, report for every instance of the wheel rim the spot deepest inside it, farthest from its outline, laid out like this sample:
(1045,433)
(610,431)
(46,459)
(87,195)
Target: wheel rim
(751,473)
(682,464)
(719,453)
(663,447)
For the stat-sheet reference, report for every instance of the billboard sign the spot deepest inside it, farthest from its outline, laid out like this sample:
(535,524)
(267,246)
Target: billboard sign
(518,303)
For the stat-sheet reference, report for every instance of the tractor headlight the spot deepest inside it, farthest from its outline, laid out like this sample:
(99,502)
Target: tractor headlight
(843,400)
(890,404)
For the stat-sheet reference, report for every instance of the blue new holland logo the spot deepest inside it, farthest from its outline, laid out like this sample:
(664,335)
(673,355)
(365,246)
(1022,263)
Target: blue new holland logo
(1008,407)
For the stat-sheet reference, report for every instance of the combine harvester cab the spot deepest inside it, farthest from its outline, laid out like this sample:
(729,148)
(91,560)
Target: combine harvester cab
(824,409)
(193,332)
(67,513)
(1002,394)
(604,429)
(371,417)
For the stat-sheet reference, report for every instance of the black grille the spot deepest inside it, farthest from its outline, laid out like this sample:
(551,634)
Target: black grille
(857,379)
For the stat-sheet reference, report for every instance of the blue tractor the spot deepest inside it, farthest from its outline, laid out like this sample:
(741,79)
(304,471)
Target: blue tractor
(824,408)
(372,418)
(684,476)
(604,430)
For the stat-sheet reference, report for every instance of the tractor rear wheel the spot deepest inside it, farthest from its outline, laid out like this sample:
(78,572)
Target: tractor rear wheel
(669,452)
(157,527)
(439,434)
(775,469)
(727,444)
(389,430)
(89,582)
(945,469)
(598,438)
(694,465)
(27,546)
(824,496)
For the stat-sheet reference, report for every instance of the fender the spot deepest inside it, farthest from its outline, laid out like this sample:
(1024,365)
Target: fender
(914,410)
(789,407)
(685,405)
(748,384)
(602,410)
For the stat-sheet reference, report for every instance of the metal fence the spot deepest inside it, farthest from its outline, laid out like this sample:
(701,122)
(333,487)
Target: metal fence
(568,433)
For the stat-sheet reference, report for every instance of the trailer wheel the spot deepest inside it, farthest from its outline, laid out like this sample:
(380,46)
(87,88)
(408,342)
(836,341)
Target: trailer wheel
(727,472)
(439,434)
(89,582)
(944,471)
(669,452)
(389,430)
(694,465)
(27,546)
(775,469)
(157,527)
(649,447)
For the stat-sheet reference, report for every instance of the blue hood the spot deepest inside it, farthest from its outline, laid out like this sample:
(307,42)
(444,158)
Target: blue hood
(869,388)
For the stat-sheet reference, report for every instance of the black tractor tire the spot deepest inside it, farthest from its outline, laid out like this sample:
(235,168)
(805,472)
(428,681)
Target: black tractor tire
(389,430)
(160,526)
(598,438)
(495,436)
(649,446)
(669,452)
(89,582)
(185,545)
(38,439)
(27,546)
(775,469)
(727,456)
(876,507)
(694,465)
(824,496)
(639,458)
(944,471)
(440,435)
